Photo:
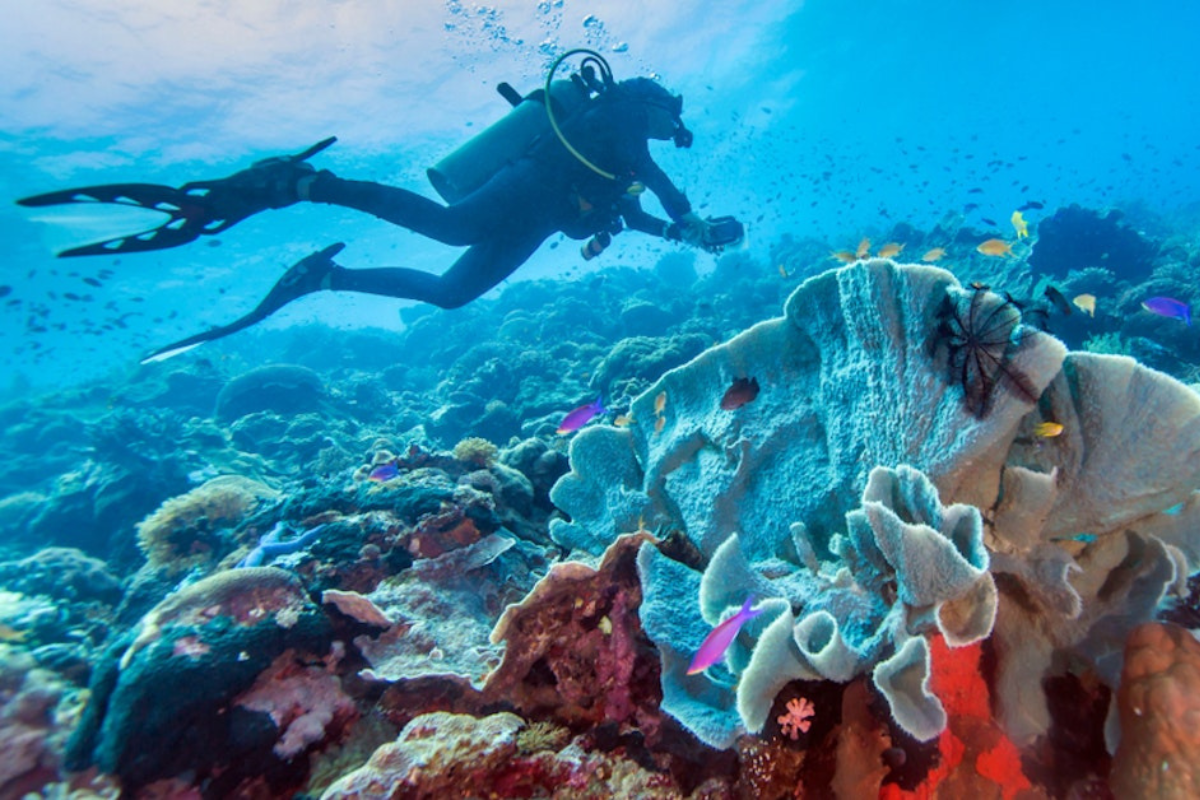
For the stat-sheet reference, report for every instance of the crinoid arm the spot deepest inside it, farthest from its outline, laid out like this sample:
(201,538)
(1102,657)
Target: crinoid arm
(980,334)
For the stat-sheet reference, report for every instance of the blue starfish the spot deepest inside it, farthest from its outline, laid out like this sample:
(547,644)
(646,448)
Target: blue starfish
(270,548)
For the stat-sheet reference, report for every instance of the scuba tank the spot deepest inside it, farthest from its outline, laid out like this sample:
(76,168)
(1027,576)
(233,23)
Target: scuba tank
(476,161)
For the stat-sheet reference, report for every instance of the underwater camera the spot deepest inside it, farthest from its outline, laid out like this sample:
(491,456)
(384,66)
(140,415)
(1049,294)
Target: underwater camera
(723,232)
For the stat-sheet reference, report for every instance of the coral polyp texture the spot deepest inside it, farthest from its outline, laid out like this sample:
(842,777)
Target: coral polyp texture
(184,530)
(872,495)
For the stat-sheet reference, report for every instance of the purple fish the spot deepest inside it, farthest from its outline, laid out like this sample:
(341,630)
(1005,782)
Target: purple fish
(581,416)
(718,641)
(1169,307)
(384,472)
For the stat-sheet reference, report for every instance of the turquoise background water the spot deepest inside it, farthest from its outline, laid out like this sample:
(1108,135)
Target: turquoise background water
(830,119)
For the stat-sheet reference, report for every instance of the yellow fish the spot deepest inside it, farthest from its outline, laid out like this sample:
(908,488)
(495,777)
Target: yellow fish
(864,248)
(844,256)
(995,247)
(623,420)
(659,423)
(783,273)
(1085,302)
(933,255)
(1019,223)
(660,402)
(1047,430)
(890,249)
(10,634)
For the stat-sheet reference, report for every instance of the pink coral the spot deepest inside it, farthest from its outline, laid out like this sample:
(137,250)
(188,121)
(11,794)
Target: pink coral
(306,703)
(455,755)
(580,623)
(796,720)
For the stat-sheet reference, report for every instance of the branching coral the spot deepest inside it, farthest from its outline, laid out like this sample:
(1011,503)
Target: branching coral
(477,451)
(796,720)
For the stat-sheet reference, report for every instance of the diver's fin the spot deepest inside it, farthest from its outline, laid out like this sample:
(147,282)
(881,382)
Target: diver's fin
(195,209)
(307,275)
(170,351)
(192,342)
(188,217)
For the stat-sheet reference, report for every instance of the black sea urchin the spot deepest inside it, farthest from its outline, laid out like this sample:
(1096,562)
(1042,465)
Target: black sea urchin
(978,335)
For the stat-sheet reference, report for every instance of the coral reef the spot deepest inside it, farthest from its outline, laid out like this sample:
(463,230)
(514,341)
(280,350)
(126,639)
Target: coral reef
(1158,703)
(217,637)
(184,530)
(1074,238)
(31,731)
(944,589)
(449,755)
(281,388)
(850,380)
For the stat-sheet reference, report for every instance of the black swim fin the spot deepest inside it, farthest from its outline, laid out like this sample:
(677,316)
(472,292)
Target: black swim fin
(309,274)
(198,208)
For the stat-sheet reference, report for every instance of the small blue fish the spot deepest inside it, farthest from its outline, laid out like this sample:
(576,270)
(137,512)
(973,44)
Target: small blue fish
(1086,538)
(1169,307)
(719,639)
(581,416)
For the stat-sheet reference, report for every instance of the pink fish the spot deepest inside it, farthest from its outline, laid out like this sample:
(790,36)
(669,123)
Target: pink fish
(384,472)
(718,641)
(581,416)
(1169,307)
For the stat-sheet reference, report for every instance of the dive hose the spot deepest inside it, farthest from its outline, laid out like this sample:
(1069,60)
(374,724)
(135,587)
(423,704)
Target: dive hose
(606,74)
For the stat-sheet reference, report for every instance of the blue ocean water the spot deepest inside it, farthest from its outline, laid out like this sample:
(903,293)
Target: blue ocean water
(375,446)
(821,119)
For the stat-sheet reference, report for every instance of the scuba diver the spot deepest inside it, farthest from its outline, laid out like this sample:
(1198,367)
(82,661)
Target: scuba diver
(572,159)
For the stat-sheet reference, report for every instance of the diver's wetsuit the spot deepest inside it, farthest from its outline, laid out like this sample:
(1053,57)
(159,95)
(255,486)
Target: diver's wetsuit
(546,191)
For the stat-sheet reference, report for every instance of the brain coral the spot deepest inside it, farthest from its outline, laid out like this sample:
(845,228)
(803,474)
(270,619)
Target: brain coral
(283,388)
(1159,703)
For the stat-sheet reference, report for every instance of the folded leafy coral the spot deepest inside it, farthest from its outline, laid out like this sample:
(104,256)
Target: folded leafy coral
(777,496)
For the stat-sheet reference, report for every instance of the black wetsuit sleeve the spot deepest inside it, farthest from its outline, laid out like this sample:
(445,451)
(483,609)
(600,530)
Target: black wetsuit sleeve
(638,219)
(674,202)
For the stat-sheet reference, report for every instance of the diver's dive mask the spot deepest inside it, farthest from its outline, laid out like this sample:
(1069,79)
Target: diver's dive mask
(682,136)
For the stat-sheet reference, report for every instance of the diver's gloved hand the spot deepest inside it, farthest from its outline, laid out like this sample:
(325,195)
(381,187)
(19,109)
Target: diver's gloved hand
(690,229)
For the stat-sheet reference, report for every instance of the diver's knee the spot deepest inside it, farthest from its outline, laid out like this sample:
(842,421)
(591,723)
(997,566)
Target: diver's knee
(451,297)
(452,301)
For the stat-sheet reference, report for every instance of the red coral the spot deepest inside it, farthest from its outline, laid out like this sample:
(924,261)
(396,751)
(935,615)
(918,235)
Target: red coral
(971,739)
(580,626)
